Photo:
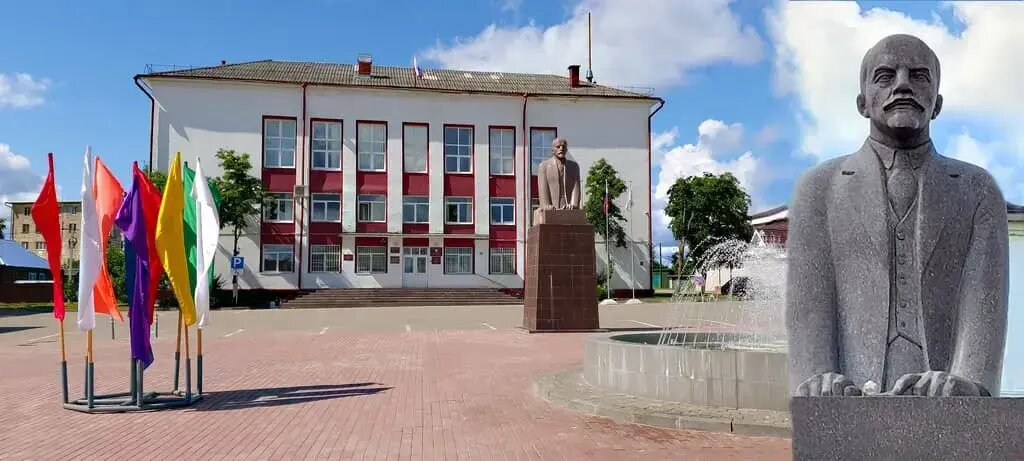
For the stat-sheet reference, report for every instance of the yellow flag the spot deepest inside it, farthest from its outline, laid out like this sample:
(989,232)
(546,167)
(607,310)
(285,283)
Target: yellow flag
(170,240)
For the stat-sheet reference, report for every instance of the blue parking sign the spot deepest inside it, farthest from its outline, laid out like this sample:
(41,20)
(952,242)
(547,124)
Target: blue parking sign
(237,262)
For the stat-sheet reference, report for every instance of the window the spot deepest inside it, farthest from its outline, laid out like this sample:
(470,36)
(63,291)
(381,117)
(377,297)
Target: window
(27,211)
(278,143)
(40,245)
(502,151)
(371,260)
(278,258)
(25,228)
(503,211)
(540,146)
(503,260)
(371,208)
(458,260)
(458,149)
(72,227)
(326,145)
(24,245)
(326,208)
(415,209)
(414,148)
(372,144)
(278,207)
(458,210)
(325,258)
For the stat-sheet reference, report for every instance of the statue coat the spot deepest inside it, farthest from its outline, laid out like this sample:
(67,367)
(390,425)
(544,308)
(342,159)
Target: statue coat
(549,187)
(839,260)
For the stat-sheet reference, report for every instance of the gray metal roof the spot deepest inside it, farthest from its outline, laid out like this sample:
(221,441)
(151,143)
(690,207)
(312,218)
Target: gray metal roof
(446,80)
(13,255)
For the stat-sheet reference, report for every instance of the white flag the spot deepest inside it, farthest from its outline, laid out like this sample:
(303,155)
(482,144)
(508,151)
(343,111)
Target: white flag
(91,257)
(207,234)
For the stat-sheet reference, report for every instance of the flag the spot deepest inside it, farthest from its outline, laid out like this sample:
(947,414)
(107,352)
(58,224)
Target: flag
(46,215)
(416,68)
(90,258)
(131,218)
(151,198)
(607,202)
(108,194)
(170,240)
(189,221)
(207,234)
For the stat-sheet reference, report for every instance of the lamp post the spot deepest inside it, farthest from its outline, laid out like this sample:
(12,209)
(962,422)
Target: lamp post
(632,245)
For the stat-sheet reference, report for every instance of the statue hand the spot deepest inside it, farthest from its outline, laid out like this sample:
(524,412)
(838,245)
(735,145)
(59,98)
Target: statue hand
(546,207)
(937,384)
(827,384)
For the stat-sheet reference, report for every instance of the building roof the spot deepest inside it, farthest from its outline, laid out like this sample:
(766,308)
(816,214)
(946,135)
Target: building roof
(12,254)
(445,80)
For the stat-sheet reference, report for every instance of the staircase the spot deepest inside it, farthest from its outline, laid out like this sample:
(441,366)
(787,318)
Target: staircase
(390,297)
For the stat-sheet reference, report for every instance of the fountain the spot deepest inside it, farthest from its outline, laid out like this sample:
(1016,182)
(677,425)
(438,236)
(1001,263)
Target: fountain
(729,355)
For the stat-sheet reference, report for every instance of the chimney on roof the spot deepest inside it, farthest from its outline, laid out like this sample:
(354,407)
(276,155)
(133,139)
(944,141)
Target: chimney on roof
(364,64)
(574,75)
(223,62)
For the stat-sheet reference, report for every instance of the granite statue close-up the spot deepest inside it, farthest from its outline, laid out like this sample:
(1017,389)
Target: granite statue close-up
(898,255)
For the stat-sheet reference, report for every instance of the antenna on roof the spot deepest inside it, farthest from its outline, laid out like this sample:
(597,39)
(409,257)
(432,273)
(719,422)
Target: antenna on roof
(590,71)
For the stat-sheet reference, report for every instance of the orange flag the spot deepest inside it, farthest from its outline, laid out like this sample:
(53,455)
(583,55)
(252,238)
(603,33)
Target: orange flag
(108,194)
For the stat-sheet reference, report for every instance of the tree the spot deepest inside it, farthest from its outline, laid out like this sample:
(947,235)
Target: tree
(3,227)
(705,210)
(241,194)
(115,266)
(158,178)
(600,173)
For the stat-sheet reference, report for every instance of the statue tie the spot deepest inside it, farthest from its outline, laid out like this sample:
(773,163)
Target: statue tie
(901,184)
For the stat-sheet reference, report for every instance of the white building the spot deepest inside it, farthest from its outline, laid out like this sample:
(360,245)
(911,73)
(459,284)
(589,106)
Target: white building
(384,179)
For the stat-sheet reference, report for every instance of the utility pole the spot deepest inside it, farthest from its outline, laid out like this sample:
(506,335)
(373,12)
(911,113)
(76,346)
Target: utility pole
(632,246)
(607,247)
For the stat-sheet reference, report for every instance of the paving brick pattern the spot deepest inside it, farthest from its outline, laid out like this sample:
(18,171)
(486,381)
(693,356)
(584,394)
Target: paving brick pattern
(445,395)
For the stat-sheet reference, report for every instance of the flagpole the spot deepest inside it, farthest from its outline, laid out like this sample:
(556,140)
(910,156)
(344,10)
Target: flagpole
(607,246)
(89,370)
(199,360)
(188,369)
(177,353)
(63,361)
(632,247)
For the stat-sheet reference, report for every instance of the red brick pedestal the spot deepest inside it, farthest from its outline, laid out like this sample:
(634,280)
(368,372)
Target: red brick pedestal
(561,279)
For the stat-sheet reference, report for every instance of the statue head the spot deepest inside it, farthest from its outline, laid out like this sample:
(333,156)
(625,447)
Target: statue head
(559,148)
(899,89)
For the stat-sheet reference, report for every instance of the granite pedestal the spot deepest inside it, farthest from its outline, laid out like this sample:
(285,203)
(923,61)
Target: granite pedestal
(561,278)
(907,428)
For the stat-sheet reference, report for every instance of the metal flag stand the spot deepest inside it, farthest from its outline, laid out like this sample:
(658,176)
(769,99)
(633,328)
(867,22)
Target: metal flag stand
(136,399)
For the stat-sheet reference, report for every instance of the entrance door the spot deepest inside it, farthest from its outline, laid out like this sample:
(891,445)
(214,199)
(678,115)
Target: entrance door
(414,267)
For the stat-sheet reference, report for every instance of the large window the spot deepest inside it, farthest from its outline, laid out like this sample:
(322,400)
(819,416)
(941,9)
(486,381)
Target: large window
(415,209)
(502,148)
(371,208)
(503,211)
(326,208)
(26,229)
(458,260)
(458,210)
(40,245)
(458,149)
(540,146)
(372,145)
(503,260)
(414,148)
(278,143)
(326,145)
(325,258)
(278,258)
(371,260)
(278,207)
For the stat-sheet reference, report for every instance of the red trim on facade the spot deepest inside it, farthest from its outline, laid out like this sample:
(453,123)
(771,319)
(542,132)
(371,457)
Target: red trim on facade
(371,183)
(371,241)
(415,242)
(459,228)
(503,232)
(326,182)
(458,243)
(416,184)
(459,186)
(501,243)
(277,233)
(318,237)
(415,228)
(372,227)
(503,187)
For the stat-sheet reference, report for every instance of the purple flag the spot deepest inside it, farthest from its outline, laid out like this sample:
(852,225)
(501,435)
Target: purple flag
(131,219)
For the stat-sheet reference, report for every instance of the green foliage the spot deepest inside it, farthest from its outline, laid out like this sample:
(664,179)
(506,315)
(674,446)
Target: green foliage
(600,173)
(115,266)
(241,194)
(70,281)
(158,178)
(705,210)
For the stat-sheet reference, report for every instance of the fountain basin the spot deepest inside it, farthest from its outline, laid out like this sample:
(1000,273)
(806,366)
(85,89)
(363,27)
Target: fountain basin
(699,373)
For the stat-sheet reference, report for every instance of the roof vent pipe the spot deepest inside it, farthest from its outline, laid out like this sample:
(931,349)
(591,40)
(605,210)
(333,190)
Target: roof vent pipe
(574,75)
(364,64)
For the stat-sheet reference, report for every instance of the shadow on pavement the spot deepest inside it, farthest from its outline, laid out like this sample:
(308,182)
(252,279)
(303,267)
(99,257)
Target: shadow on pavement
(26,310)
(13,329)
(272,397)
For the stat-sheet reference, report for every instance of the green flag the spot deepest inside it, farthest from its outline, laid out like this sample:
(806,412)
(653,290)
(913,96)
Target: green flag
(189,176)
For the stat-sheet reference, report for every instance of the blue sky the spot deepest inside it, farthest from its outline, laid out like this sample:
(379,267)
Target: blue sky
(761,88)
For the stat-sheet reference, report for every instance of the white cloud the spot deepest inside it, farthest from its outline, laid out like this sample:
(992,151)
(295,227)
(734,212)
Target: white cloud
(639,43)
(511,6)
(994,156)
(21,90)
(820,46)
(714,140)
(18,182)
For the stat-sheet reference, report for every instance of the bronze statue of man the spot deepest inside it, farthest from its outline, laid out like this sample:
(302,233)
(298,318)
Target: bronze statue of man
(898,256)
(558,179)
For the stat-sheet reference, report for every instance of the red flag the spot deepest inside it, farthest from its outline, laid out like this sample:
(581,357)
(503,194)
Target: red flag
(151,198)
(46,215)
(108,194)
(606,202)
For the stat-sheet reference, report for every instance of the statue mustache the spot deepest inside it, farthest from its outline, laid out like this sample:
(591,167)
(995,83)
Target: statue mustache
(903,100)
